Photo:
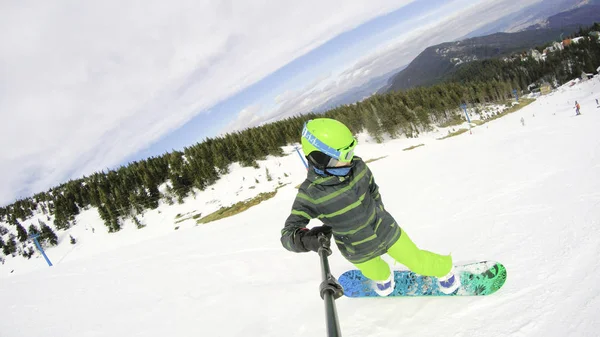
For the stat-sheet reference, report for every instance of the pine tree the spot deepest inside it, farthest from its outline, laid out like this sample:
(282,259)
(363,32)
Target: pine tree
(33,230)
(28,252)
(371,122)
(269,178)
(10,246)
(21,233)
(48,236)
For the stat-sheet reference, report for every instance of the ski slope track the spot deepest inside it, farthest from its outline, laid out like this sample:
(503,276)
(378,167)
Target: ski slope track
(527,196)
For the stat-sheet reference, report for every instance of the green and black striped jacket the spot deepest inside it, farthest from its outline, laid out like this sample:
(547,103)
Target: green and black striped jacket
(351,206)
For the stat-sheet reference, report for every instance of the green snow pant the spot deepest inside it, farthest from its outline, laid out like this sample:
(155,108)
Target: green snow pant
(406,252)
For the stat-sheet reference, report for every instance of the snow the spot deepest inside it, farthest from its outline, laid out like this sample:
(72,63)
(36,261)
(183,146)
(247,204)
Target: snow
(527,196)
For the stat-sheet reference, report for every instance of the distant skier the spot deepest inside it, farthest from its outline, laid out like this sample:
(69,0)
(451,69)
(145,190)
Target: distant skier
(522,121)
(577,108)
(340,191)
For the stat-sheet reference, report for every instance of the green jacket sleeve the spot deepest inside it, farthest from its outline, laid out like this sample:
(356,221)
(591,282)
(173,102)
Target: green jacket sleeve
(295,225)
(374,189)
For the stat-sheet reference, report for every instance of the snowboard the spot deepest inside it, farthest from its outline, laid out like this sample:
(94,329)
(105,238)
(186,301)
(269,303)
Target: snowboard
(477,279)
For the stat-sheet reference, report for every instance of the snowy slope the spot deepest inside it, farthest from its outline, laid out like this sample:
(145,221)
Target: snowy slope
(528,196)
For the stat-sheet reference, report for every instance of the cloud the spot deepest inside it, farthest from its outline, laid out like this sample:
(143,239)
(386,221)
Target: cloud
(247,118)
(83,85)
(441,25)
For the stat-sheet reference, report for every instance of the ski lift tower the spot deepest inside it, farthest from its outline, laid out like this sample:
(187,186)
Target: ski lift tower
(35,237)
(464,107)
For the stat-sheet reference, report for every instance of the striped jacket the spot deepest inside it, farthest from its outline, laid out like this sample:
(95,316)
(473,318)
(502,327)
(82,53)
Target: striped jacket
(351,206)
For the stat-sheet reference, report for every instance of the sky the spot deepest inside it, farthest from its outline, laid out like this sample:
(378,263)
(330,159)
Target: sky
(90,86)
(526,196)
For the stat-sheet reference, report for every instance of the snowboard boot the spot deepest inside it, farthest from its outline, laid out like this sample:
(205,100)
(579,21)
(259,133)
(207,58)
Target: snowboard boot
(386,287)
(449,283)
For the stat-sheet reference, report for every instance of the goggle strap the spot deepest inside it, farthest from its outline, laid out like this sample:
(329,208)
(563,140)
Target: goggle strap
(328,150)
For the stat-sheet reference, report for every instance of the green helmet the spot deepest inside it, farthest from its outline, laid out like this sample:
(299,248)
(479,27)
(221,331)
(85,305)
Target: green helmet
(326,136)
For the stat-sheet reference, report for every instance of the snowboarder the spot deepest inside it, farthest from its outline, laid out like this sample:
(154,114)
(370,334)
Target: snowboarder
(340,191)
(577,108)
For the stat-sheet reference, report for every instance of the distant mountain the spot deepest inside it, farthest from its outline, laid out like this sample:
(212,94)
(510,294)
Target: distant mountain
(537,13)
(358,93)
(582,16)
(433,63)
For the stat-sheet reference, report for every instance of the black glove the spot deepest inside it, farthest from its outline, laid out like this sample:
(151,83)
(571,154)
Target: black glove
(310,239)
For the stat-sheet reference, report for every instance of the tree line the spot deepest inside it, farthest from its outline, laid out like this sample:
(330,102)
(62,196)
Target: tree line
(129,190)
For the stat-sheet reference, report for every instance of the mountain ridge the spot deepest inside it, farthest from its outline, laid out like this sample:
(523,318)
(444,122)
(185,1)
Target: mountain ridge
(431,65)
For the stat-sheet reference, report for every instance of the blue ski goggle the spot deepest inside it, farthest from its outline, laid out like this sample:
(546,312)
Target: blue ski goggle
(343,155)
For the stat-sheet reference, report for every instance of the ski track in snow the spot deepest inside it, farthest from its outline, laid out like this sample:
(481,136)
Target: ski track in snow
(527,196)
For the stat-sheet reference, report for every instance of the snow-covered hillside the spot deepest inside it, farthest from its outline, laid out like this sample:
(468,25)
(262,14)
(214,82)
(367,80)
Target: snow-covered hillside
(527,196)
